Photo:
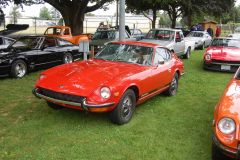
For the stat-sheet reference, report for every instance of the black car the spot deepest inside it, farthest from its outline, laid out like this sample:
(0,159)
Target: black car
(36,52)
(5,42)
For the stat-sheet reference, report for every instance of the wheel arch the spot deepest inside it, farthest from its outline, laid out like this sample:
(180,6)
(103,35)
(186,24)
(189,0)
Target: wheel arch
(135,90)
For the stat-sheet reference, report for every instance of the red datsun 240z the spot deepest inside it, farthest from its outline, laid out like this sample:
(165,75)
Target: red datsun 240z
(122,75)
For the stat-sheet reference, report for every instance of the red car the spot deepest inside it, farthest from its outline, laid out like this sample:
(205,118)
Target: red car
(226,123)
(223,55)
(121,75)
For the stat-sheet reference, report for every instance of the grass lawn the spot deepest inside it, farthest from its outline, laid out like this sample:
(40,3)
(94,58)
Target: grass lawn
(163,128)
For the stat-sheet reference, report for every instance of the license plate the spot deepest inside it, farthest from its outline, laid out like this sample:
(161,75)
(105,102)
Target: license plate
(225,67)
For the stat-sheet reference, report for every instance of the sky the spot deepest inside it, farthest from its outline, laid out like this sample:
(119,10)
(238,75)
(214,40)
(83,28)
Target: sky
(33,11)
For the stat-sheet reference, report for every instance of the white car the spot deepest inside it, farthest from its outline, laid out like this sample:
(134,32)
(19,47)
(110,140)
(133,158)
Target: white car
(201,38)
(234,35)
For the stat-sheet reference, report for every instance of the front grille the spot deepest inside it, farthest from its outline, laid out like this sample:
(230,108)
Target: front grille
(60,96)
(226,62)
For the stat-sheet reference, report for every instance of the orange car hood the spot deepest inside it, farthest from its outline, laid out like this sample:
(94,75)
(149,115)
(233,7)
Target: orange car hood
(82,78)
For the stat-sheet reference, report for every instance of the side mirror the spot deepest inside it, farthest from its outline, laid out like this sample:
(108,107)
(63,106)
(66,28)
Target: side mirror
(160,62)
(178,40)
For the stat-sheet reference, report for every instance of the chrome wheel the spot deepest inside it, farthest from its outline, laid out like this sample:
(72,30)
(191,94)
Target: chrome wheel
(126,106)
(174,86)
(20,69)
(67,58)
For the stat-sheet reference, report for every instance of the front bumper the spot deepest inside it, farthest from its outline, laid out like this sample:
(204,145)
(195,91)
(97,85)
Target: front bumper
(225,150)
(83,104)
(217,67)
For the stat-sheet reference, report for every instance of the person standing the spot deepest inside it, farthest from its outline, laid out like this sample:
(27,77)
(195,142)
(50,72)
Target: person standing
(218,31)
(210,31)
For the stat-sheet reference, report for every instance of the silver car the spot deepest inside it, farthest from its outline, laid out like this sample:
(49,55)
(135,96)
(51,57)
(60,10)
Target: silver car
(201,38)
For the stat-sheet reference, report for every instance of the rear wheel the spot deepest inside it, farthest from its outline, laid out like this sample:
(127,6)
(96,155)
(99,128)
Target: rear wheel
(172,90)
(67,58)
(187,55)
(54,106)
(124,110)
(18,69)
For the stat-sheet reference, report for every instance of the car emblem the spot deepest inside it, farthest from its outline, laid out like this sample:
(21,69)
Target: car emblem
(61,86)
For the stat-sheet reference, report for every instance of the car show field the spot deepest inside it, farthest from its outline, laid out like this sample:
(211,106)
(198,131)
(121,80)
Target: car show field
(162,128)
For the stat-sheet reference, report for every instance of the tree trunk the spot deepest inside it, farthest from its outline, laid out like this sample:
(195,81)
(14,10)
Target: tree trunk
(154,18)
(189,21)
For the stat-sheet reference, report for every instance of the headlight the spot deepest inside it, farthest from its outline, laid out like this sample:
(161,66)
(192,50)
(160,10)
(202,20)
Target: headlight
(208,57)
(42,76)
(105,92)
(226,125)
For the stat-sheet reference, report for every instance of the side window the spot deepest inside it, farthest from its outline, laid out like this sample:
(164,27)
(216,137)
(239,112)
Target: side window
(49,42)
(161,55)
(66,31)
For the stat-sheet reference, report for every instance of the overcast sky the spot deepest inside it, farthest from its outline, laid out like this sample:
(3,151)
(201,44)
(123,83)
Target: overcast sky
(33,11)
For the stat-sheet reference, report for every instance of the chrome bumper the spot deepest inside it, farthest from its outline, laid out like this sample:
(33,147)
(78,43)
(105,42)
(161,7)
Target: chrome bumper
(83,105)
(225,149)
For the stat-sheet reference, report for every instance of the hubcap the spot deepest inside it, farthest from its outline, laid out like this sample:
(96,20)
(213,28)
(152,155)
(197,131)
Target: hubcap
(174,85)
(126,107)
(20,70)
(68,59)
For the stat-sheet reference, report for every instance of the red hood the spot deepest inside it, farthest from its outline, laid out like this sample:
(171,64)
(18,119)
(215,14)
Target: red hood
(224,53)
(82,78)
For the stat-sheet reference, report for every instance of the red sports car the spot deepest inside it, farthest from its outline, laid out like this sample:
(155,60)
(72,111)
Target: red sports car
(226,123)
(121,75)
(223,55)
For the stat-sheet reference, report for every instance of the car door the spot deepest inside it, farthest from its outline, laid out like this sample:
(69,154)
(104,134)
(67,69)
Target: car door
(162,72)
(179,43)
(49,55)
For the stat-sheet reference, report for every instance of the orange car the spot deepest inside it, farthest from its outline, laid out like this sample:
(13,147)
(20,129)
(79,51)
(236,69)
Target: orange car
(226,123)
(64,32)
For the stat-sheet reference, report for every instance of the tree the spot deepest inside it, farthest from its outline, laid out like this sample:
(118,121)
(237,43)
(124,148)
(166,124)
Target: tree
(44,13)
(55,14)
(144,7)
(72,11)
(15,14)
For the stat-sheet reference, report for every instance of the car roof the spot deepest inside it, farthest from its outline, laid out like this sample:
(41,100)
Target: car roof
(137,43)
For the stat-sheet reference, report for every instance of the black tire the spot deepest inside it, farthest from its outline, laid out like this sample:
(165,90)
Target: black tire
(172,90)
(187,55)
(54,106)
(203,46)
(18,69)
(124,110)
(217,154)
(67,58)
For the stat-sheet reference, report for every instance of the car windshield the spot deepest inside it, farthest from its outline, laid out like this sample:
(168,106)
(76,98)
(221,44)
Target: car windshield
(226,43)
(28,42)
(104,35)
(126,53)
(165,35)
(195,34)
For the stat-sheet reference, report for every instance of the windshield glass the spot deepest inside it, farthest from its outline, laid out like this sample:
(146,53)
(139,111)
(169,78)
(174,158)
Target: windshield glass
(104,35)
(165,35)
(127,53)
(195,34)
(28,42)
(226,43)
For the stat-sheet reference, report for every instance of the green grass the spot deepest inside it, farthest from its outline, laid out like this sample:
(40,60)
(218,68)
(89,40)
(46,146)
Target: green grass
(163,128)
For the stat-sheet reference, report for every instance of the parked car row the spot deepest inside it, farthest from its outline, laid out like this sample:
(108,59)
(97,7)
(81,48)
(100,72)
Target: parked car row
(127,73)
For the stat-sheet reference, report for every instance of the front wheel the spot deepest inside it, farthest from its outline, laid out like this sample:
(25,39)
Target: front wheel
(67,58)
(216,154)
(172,90)
(18,69)
(124,110)
(187,55)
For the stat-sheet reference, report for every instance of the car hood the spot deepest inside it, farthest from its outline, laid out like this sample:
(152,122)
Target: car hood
(82,78)
(196,39)
(229,105)
(224,53)
(159,42)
